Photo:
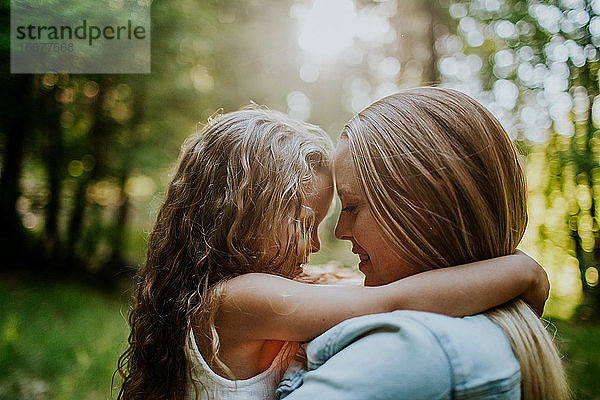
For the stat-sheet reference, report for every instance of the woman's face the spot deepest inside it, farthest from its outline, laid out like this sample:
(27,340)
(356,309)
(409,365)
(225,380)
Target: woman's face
(378,261)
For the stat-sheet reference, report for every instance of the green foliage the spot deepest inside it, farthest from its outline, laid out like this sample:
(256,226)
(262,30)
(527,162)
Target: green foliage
(539,75)
(580,346)
(58,341)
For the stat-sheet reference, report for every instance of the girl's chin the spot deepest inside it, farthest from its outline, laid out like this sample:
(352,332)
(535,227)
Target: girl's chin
(298,270)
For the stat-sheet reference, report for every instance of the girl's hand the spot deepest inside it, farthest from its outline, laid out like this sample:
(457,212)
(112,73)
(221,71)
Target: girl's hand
(537,294)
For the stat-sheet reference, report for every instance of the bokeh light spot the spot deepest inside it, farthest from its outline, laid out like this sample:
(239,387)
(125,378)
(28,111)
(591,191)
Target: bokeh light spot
(328,27)
(75,168)
(30,220)
(591,276)
(90,89)
(309,73)
(299,106)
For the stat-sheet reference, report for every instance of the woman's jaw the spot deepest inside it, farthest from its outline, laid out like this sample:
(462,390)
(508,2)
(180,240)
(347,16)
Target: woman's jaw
(365,265)
(363,255)
(379,261)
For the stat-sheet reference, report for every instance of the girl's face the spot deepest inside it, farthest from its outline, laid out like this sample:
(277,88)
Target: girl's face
(319,203)
(378,261)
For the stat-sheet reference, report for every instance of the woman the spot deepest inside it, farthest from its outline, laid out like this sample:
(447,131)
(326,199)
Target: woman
(428,178)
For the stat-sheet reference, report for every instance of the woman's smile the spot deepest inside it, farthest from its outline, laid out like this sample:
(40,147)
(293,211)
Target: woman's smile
(378,261)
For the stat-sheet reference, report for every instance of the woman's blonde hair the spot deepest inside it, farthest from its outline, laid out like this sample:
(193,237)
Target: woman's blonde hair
(444,183)
(236,204)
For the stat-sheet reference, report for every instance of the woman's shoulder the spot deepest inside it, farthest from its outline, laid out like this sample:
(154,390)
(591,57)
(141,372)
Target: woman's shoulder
(351,331)
(474,338)
(473,350)
(478,351)
(420,320)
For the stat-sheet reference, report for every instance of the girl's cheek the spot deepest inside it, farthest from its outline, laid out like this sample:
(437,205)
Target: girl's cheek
(304,247)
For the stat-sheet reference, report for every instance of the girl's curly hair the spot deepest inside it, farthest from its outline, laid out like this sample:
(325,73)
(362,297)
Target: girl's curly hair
(239,183)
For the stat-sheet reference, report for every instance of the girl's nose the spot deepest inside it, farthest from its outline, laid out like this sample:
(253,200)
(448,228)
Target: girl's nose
(316,246)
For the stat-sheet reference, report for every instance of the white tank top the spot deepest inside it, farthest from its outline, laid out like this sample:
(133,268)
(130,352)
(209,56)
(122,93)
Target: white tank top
(214,387)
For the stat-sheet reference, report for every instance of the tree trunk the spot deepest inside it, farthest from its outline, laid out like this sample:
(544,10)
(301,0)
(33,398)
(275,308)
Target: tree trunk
(17,126)
(97,137)
(53,157)
(433,74)
(587,162)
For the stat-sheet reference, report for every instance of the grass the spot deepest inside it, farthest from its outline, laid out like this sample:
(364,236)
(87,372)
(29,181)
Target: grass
(58,341)
(62,341)
(580,345)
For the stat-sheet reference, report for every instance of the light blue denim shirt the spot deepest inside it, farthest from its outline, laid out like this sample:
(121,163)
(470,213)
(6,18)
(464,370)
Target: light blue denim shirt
(406,355)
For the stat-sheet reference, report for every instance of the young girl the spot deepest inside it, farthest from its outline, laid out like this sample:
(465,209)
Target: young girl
(217,313)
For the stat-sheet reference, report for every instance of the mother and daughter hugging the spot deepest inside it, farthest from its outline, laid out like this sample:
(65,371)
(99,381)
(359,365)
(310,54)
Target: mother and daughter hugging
(434,204)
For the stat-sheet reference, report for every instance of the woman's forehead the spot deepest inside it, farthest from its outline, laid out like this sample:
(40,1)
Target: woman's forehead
(345,174)
(345,190)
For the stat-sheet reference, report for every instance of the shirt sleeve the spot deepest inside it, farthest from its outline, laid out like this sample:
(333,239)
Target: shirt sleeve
(403,360)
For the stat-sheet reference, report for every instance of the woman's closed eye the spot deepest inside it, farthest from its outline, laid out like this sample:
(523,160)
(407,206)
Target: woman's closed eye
(349,209)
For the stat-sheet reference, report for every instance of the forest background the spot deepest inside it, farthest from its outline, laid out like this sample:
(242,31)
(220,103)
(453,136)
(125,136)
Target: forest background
(84,158)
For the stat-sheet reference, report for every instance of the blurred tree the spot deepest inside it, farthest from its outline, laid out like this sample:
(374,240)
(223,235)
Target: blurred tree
(16,127)
(82,155)
(538,69)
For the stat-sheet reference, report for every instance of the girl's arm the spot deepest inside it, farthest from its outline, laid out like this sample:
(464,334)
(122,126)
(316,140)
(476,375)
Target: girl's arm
(268,307)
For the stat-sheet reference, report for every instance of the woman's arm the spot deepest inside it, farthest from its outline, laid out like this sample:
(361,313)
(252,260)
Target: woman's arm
(268,307)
